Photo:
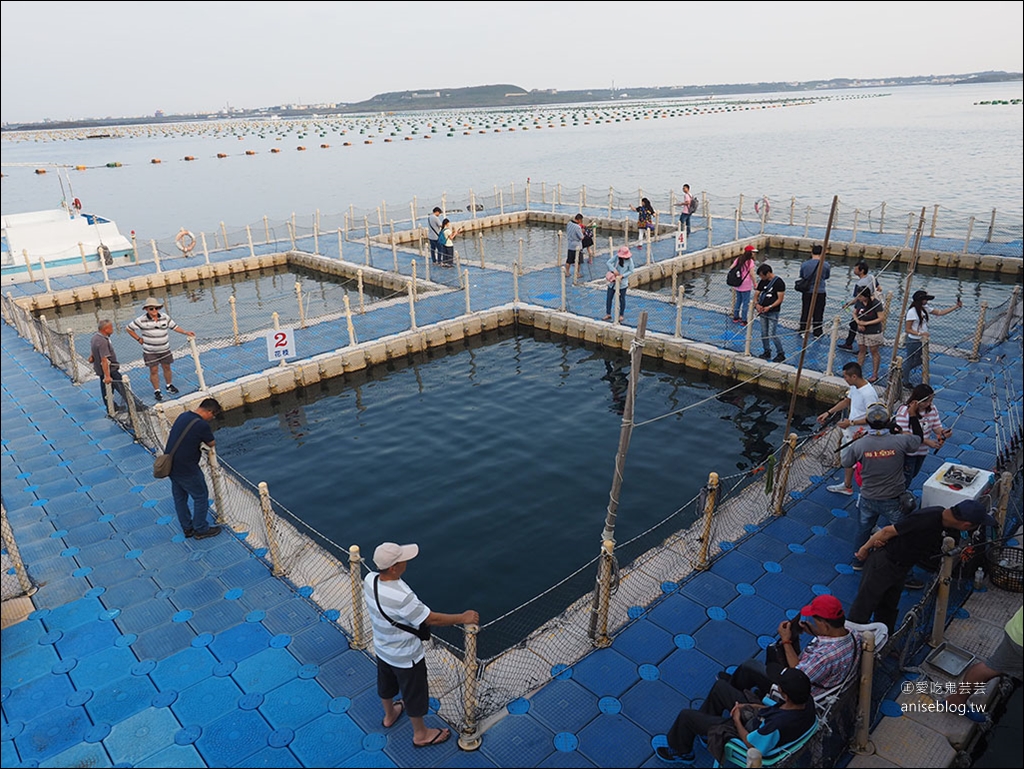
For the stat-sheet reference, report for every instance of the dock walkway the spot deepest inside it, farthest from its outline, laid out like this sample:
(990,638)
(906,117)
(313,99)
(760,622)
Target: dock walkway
(146,649)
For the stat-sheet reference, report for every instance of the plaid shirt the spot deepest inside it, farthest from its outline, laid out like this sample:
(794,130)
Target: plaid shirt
(827,661)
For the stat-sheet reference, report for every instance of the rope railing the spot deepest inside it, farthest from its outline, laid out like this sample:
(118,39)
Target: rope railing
(528,645)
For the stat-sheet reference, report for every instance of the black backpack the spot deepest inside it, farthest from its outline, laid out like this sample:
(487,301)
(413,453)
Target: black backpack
(735,276)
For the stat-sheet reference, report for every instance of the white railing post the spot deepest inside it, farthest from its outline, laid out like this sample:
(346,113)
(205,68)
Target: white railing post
(195,358)
(970,231)
(206,250)
(156,255)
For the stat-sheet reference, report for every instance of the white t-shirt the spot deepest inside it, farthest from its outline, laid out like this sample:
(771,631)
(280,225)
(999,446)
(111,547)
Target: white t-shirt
(860,399)
(398,648)
(920,323)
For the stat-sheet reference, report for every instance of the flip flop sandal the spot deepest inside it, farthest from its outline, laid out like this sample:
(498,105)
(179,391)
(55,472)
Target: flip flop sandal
(400,705)
(441,736)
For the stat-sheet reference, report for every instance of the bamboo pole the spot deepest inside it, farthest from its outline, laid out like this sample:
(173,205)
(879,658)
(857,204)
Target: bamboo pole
(861,740)
(224,232)
(360,638)
(248,236)
(709,512)
(156,255)
(979,332)
(348,322)
(206,249)
(468,738)
(359,286)
(833,341)
(234,319)
(604,588)
(195,358)
(782,487)
(268,523)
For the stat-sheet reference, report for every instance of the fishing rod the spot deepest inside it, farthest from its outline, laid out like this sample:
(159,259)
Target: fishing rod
(996,417)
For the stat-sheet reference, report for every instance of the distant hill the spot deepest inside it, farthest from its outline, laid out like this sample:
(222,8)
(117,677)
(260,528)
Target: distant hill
(507,95)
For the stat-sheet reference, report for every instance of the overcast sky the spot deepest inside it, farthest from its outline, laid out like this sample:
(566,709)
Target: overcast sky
(74,60)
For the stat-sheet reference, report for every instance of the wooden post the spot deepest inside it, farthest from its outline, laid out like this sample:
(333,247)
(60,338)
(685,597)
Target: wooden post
(348,322)
(501,202)
(636,352)
(942,592)
(792,210)
(709,512)
(888,304)
(561,273)
(220,507)
(862,734)
(679,312)
(807,221)
(736,216)
(394,248)
(979,332)
(991,227)
(881,219)
(85,261)
(366,225)
(195,358)
(413,283)
(611,200)
(469,311)
(604,594)
(675,280)
(616,300)
(248,235)
(764,213)
(739,208)
(787,465)
(316,232)
(359,284)
(833,341)
(472,202)
(515,283)
(856,221)
(412,304)
(558,255)
(480,245)
(749,329)
(527,194)
(360,638)
(224,232)
(74,356)
(1005,487)
(341,251)
(266,229)
(935,219)
(926,368)
(710,225)
(384,212)
(468,738)
(519,258)
(46,276)
(135,248)
(156,255)
(206,250)
(302,310)
(268,523)
(234,319)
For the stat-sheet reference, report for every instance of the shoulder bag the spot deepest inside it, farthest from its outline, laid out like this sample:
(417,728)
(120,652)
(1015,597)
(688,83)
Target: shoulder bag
(422,632)
(163,462)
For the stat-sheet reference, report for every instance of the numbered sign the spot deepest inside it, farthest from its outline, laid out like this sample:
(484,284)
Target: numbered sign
(680,241)
(280,344)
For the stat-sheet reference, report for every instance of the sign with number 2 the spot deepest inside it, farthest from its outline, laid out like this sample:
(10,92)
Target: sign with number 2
(280,344)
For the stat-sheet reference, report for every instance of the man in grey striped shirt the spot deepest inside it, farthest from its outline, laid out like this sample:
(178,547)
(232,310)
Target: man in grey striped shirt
(152,330)
(396,613)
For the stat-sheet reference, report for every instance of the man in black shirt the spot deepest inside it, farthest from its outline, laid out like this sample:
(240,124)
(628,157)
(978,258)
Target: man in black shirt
(771,290)
(190,431)
(890,553)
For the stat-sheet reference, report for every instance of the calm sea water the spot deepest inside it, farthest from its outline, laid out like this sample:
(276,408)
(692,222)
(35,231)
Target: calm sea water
(914,147)
(498,460)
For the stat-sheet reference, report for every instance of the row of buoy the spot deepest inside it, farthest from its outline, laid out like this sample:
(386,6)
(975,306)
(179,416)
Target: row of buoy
(432,121)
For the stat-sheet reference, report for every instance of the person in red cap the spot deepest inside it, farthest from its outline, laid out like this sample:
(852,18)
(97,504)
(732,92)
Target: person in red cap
(827,659)
(400,624)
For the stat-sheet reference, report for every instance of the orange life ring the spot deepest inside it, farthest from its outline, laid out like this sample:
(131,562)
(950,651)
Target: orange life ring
(76,204)
(767,206)
(186,241)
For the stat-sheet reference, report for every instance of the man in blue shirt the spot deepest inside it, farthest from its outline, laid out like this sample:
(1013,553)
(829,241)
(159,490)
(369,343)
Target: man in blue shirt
(190,431)
(759,726)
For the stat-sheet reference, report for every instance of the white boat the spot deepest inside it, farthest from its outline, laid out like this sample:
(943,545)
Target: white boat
(60,241)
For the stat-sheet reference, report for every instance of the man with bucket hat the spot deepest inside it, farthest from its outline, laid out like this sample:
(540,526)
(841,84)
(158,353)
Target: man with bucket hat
(401,622)
(889,554)
(151,330)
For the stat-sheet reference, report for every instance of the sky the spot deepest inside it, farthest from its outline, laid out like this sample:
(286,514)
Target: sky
(67,60)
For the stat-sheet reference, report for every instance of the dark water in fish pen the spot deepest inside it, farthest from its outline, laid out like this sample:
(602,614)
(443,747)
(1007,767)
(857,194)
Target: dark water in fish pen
(540,244)
(203,307)
(497,459)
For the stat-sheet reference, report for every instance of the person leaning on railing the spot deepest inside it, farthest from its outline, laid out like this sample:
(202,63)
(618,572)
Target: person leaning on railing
(917,331)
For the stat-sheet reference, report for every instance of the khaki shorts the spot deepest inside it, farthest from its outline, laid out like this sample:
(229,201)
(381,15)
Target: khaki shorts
(157,358)
(869,340)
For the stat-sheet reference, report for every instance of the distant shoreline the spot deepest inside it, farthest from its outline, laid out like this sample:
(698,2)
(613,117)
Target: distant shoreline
(505,96)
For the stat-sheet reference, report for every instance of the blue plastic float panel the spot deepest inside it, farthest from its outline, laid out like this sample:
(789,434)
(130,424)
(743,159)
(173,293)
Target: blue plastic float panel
(644,642)
(518,741)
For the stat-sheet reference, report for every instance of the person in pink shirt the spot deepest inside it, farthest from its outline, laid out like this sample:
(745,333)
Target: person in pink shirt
(745,263)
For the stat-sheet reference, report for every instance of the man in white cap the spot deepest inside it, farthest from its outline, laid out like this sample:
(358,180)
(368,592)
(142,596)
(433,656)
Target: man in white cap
(151,330)
(400,624)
